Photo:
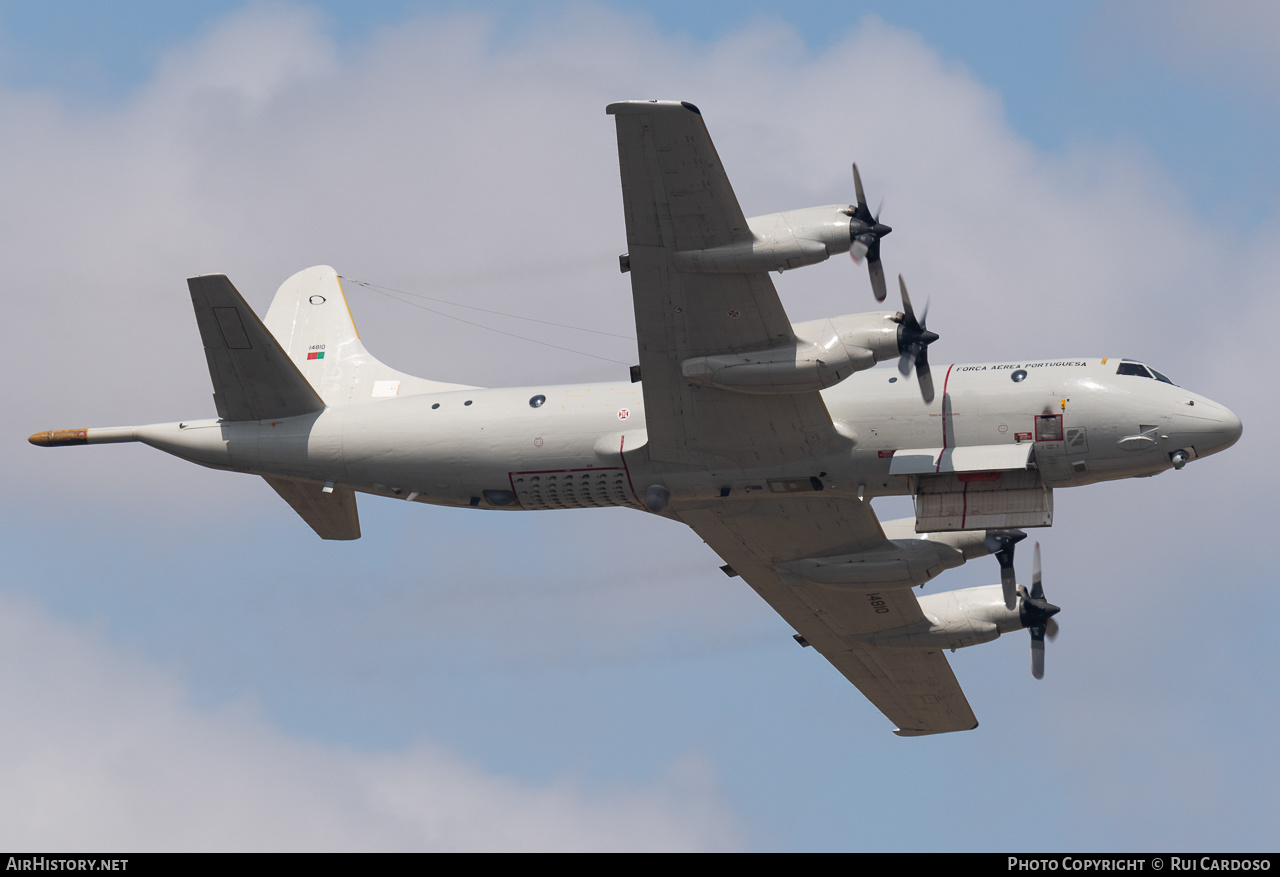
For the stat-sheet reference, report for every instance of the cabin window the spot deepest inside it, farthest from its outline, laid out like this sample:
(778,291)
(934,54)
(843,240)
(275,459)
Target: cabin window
(538,401)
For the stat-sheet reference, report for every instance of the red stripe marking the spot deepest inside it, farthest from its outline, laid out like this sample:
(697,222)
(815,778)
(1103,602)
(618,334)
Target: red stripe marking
(511,479)
(945,381)
(625,468)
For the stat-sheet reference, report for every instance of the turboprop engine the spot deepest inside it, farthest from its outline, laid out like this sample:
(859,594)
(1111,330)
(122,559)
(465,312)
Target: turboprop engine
(821,354)
(779,241)
(967,617)
(909,557)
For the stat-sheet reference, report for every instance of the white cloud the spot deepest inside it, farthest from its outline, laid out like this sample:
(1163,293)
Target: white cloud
(102,751)
(1231,42)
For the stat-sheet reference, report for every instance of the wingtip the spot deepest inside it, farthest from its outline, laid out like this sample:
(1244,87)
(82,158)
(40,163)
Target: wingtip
(921,732)
(648,106)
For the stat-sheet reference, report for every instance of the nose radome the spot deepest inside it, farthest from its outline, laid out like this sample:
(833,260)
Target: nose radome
(1213,428)
(1230,431)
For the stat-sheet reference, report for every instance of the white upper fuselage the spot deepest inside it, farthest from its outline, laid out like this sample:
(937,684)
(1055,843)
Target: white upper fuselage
(584,446)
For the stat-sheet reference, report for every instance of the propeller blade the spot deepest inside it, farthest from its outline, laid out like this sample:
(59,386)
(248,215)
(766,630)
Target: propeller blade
(857,251)
(1037,654)
(1051,629)
(1009,582)
(925,377)
(904,363)
(1037,586)
(906,304)
(862,199)
(877,278)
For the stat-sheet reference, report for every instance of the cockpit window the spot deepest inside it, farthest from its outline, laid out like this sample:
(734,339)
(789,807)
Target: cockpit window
(1133,368)
(1128,367)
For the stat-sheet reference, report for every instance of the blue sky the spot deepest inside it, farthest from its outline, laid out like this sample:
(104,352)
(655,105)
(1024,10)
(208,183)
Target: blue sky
(1065,73)
(190,667)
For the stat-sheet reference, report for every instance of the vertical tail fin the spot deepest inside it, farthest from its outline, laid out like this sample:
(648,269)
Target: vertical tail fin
(310,318)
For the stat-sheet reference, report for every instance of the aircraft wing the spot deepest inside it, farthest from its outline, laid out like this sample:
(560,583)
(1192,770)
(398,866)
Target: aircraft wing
(677,196)
(914,688)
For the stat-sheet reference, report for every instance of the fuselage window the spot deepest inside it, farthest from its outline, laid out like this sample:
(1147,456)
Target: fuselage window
(1133,368)
(537,401)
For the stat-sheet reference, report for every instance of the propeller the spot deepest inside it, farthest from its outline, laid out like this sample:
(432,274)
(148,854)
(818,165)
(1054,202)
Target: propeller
(865,230)
(1000,543)
(1036,615)
(913,342)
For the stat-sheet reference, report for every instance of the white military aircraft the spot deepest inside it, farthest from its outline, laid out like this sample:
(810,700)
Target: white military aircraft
(767,438)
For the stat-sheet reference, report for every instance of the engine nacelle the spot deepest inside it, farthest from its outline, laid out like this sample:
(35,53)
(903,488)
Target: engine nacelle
(822,353)
(778,241)
(909,559)
(970,543)
(955,619)
(901,564)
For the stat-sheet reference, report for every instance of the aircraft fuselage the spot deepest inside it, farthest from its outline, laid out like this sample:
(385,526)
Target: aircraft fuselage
(584,445)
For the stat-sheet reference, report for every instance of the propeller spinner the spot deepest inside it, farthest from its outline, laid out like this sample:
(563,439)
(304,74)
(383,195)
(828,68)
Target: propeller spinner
(865,230)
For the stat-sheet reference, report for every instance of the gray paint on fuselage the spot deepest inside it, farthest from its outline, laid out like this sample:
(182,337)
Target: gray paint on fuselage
(447,451)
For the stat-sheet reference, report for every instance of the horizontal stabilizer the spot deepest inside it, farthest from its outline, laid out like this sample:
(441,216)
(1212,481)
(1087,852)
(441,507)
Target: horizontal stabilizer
(253,378)
(332,515)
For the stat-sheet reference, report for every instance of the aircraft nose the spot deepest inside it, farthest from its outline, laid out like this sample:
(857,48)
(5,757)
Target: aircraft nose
(1211,428)
(1229,432)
